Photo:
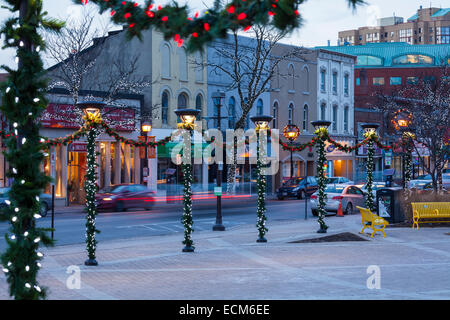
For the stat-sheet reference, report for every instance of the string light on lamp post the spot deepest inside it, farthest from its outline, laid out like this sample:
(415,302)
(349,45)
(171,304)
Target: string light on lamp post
(321,131)
(93,119)
(291,132)
(187,117)
(370,133)
(403,125)
(261,126)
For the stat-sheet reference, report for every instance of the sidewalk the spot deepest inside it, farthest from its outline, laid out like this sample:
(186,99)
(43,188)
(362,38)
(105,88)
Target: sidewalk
(231,265)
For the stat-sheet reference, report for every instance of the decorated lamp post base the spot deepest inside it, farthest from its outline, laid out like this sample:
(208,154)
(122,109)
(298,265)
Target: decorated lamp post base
(187,210)
(91,262)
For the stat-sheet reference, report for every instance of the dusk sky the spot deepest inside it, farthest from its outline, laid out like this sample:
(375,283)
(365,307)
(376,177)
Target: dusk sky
(323,18)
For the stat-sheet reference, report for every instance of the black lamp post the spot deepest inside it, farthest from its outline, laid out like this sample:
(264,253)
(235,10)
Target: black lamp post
(217,99)
(146,127)
(291,132)
(322,133)
(91,111)
(187,117)
(261,124)
(370,132)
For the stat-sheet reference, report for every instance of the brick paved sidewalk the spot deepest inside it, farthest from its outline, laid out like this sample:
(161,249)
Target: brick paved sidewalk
(231,265)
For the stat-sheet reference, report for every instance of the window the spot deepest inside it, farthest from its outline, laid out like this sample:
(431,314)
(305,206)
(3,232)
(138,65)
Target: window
(323,111)
(395,81)
(335,116)
(260,107)
(335,76)
(306,78)
(165,61)
(183,64)
(368,61)
(291,114)
(291,77)
(275,115)
(358,81)
(346,79)
(412,80)
(182,101)
(378,81)
(305,117)
(232,112)
(323,74)
(443,35)
(164,107)
(199,103)
(413,59)
(406,35)
(346,119)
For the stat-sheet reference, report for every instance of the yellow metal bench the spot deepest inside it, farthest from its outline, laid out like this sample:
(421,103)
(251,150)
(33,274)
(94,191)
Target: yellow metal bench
(372,221)
(429,210)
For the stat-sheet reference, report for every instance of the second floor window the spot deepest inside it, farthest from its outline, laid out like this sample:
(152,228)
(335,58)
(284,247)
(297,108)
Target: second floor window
(323,74)
(291,114)
(323,111)
(346,82)
(164,107)
(305,117)
(335,82)
(346,119)
(335,116)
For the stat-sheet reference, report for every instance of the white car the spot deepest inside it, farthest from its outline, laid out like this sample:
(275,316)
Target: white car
(350,196)
(338,180)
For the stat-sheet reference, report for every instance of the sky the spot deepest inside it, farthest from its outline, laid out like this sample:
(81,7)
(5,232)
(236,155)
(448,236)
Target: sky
(323,19)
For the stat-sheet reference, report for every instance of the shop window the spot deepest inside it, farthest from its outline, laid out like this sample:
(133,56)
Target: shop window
(395,81)
(378,81)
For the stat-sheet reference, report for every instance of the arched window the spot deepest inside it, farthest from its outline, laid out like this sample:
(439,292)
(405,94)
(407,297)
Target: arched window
(346,119)
(231,113)
(291,114)
(291,74)
(335,118)
(165,62)
(183,64)
(413,59)
(306,78)
(305,117)
(275,115)
(323,111)
(259,107)
(199,103)
(164,107)
(182,101)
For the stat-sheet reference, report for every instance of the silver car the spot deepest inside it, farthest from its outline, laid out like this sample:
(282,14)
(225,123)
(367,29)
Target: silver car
(349,195)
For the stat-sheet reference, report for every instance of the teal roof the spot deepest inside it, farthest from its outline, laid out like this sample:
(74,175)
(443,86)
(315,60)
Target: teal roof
(390,50)
(414,17)
(441,13)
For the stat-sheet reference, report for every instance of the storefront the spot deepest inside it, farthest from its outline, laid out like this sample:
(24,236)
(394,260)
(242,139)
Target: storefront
(340,163)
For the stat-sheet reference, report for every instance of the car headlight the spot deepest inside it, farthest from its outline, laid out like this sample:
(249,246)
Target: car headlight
(296,189)
(107,199)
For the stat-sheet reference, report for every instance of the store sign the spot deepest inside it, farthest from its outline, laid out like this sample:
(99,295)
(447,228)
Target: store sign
(64,116)
(331,150)
(78,147)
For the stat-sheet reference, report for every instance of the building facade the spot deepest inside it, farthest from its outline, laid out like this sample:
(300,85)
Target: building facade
(427,26)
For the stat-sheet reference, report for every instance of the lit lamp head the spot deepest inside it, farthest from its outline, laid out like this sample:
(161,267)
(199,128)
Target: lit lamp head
(217,97)
(370,128)
(403,125)
(291,132)
(321,124)
(187,116)
(261,122)
(91,107)
(146,127)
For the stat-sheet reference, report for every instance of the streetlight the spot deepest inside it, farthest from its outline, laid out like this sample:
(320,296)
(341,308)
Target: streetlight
(217,99)
(146,127)
(370,132)
(321,127)
(291,132)
(261,124)
(92,119)
(187,117)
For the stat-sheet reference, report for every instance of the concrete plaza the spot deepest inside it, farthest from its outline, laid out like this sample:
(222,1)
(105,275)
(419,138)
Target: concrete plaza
(413,264)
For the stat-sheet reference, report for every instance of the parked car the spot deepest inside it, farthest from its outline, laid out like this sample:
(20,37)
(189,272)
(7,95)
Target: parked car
(297,187)
(125,196)
(422,180)
(45,200)
(338,180)
(428,188)
(349,195)
(376,186)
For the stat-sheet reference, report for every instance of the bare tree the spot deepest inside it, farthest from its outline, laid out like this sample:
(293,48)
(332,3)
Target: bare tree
(428,103)
(76,51)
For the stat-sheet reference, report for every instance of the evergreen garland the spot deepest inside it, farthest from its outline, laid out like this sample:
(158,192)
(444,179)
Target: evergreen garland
(369,167)
(23,101)
(261,186)
(321,178)
(187,209)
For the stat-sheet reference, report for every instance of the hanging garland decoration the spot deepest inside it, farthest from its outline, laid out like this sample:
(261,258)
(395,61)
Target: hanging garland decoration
(298,147)
(371,136)
(261,187)
(322,134)
(175,22)
(47,143)
(23,100)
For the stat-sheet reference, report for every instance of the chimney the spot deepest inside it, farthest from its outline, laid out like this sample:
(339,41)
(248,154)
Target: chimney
(329,43)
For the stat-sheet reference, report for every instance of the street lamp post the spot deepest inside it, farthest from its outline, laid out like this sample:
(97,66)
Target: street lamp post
(291,132)
(261,124)
(146,127)
(370,132)
(187,117)
(218,226)
(403,126)
(92,119)
(322,133)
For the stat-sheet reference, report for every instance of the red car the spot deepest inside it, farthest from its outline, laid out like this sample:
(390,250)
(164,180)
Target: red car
(125,196)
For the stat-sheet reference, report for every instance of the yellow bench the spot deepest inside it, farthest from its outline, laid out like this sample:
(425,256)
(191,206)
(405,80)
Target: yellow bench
(372,221)
(429,210)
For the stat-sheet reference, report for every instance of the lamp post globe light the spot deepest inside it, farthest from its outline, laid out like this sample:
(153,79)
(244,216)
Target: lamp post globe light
(146,127)
(187,117)
(261,124)
(217,97)
(291,132)
(92,118)
(321,131)
(370,132)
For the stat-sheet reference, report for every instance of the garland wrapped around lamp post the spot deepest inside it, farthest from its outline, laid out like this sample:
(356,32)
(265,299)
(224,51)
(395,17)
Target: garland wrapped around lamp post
(261,126)
(370,133)
(92,118)
(321,127)
(187,117)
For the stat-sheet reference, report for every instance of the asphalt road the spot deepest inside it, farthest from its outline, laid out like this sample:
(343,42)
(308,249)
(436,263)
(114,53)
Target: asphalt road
(164,219)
